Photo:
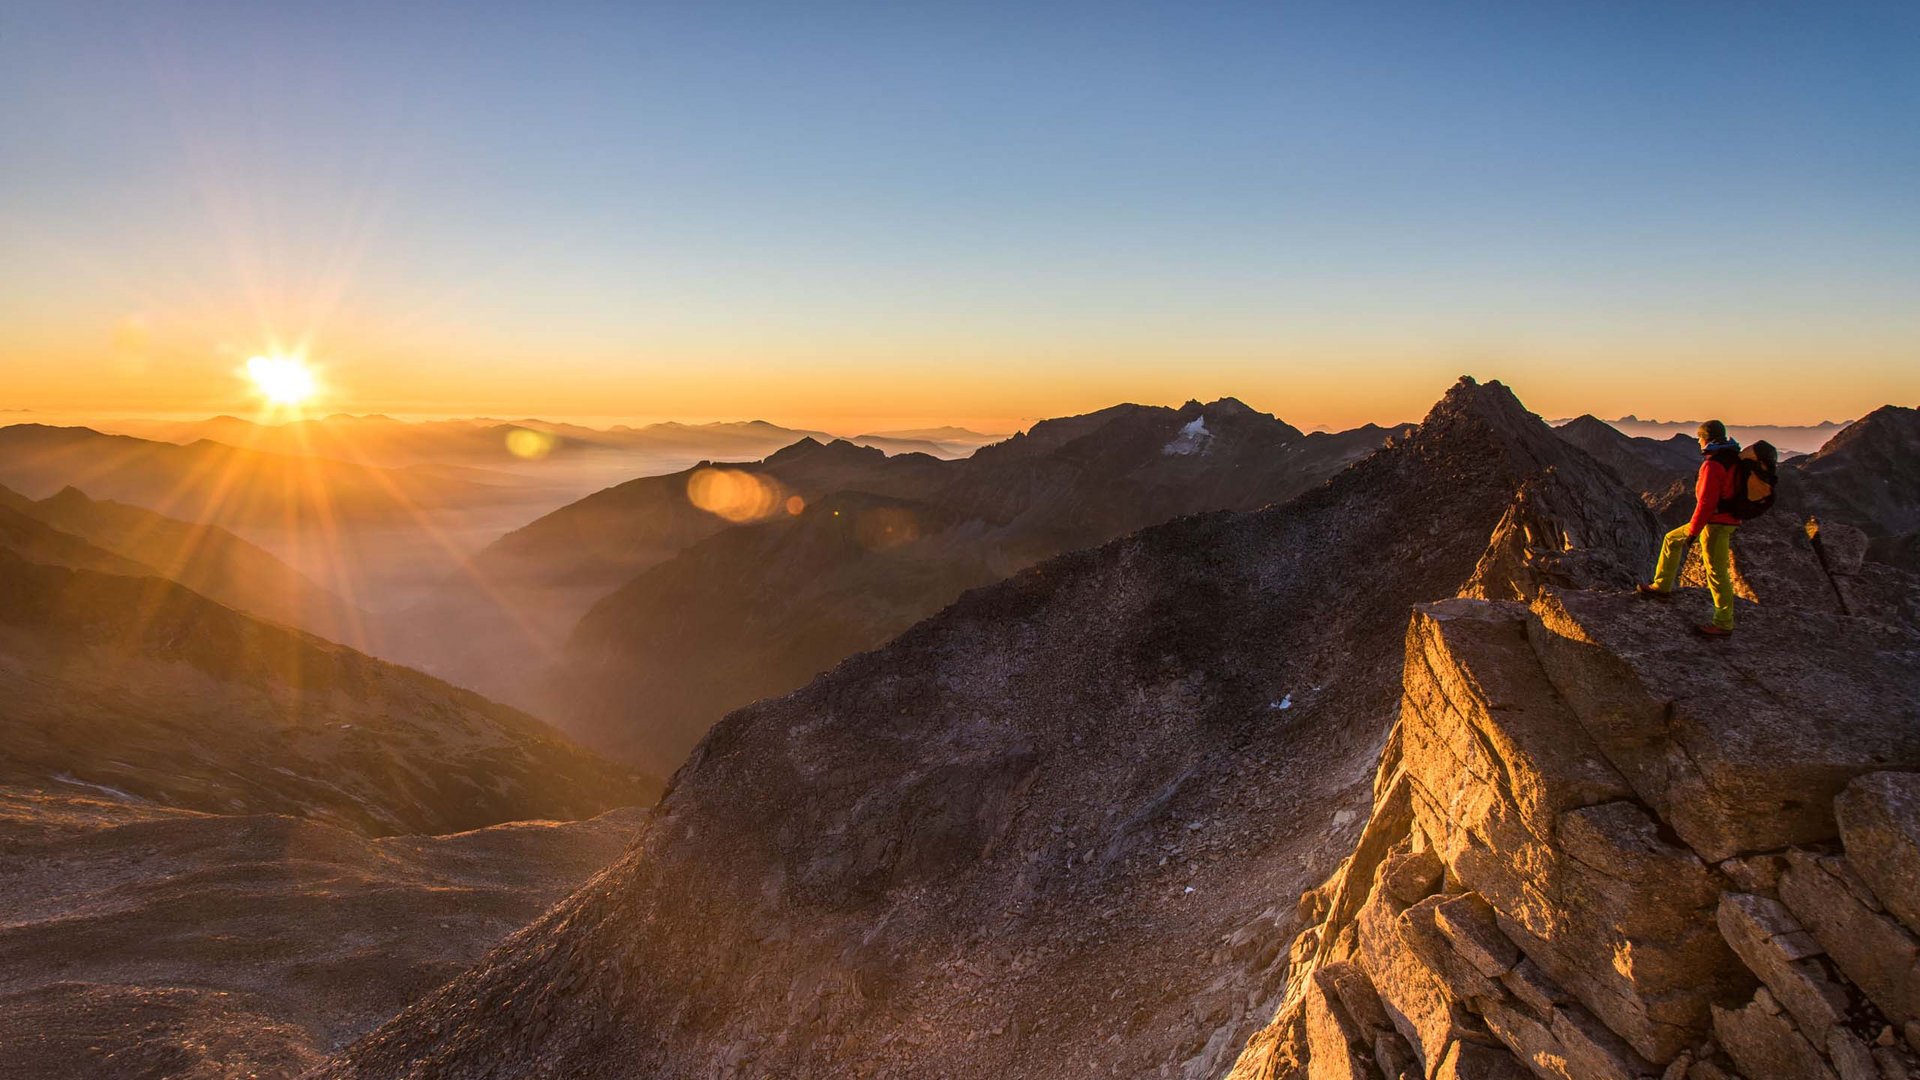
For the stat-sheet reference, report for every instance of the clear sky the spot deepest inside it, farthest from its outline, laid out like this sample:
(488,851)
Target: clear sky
(849,214)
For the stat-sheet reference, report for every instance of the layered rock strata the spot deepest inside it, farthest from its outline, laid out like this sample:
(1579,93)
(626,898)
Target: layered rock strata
(1602,849)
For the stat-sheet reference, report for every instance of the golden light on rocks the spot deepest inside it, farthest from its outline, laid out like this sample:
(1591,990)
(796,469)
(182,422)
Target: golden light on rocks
(734,494)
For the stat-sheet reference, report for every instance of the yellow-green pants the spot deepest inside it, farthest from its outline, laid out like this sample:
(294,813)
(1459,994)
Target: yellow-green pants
(1716,546)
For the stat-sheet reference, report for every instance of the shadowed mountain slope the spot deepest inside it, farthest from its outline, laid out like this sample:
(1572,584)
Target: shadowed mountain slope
(1041,833)
(610,535)
(213,483)
(1641,463)
(26,536)
(144,941)
(207,559)
(140,685)
(758,610)
(499,625)
(1868,476)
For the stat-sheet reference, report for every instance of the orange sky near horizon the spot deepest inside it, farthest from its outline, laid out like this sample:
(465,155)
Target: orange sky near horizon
(175,367)
(880,216)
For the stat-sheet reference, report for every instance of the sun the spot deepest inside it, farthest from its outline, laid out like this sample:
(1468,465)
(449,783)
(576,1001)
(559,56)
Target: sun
(282,380)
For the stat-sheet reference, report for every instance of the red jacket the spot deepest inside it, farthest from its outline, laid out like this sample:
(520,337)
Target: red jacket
(1714,487)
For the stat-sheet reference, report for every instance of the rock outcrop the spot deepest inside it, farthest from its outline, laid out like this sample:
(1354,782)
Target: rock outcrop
(1603,849)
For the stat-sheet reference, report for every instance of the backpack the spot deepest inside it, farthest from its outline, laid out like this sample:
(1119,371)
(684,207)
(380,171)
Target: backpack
(1756,479)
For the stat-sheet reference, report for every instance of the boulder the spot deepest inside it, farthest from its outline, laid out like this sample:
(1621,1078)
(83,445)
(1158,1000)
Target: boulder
(1781,952)
(1871,949)
(1879,818)
(1761,1039)
(1698,733)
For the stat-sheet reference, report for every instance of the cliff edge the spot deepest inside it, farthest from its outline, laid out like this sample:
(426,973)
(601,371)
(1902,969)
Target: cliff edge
(1603,849)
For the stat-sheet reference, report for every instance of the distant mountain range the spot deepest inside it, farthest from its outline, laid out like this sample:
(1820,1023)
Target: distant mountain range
(383,440)
(215,483)
(1799,438)
(682,615)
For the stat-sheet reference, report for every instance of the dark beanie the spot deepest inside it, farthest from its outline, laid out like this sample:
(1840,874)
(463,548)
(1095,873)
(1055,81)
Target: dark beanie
(1713,431)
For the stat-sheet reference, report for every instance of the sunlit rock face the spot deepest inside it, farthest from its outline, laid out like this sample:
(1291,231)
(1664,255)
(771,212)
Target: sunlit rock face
(1056,830)
(1603,849)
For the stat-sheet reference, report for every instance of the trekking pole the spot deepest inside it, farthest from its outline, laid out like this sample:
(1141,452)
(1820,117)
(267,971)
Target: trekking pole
(1820,549)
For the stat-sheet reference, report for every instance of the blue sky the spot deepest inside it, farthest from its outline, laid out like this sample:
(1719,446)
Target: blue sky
(983,210)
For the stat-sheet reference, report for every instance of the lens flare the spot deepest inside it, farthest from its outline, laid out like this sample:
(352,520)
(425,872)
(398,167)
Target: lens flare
(282,380)
(734,494)
(529,445)
(885,528)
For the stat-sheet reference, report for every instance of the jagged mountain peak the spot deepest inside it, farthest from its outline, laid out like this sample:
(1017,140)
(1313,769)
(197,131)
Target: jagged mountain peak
(1490,401)
(811,448)
(1889,427)
(68,496)
(1479,422)
(1868,475)
(1587,422)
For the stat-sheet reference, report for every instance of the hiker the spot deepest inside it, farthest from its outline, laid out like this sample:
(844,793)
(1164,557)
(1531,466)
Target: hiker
(1713,523)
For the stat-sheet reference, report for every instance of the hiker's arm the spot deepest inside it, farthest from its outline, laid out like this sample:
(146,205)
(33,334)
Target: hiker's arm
(1706,496)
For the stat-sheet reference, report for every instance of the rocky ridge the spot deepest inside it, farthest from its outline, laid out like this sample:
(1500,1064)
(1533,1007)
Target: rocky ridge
(1600,849)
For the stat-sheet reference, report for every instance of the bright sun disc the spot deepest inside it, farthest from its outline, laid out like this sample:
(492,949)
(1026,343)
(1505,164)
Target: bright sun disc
(282,380)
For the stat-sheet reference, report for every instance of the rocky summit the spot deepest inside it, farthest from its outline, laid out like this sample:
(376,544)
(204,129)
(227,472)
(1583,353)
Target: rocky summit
(1600,850)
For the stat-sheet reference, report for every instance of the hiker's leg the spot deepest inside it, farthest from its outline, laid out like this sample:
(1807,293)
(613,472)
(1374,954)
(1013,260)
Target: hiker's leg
(1673,556)
(1717,545)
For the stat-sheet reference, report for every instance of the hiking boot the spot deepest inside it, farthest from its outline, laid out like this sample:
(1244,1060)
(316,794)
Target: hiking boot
(1709,630)
(1657,594)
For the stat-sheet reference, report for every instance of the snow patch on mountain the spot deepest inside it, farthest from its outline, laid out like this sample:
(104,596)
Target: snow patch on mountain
(1193,438)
